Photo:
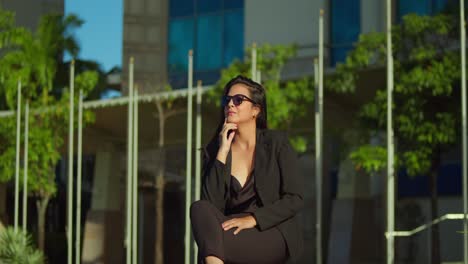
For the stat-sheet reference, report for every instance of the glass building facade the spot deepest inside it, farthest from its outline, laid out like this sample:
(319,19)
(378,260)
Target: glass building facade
(345,21)
(214,29)
(421,7)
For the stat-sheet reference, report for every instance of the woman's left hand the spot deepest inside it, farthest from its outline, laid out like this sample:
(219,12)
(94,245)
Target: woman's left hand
(241,223)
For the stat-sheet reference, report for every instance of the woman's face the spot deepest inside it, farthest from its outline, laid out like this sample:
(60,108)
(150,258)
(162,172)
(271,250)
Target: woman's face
(243,112)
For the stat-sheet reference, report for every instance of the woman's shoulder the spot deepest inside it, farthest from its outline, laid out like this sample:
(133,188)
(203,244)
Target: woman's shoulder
(275,136)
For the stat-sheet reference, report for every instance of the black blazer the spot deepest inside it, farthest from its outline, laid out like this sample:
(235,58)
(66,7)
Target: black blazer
(278,182)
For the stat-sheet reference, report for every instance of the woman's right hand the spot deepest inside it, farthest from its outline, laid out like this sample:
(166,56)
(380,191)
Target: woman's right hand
(224,139)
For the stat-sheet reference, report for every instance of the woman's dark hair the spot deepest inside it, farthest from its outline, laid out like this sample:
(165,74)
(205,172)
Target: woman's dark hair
(257,94)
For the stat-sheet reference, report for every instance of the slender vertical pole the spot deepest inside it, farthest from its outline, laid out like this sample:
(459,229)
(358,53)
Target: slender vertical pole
(198,130)
(390,147)
(198,135)
(25,169)
(135,180)
(321,73)
(70,165)
(259,77)
(128,238)
(17,163)
(78,180)
(464,129)
(318,168)
(188,176)
(254,62)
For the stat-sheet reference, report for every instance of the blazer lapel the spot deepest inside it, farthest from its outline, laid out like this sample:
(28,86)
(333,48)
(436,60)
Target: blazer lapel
(261,156)
(260,160)
(227,178)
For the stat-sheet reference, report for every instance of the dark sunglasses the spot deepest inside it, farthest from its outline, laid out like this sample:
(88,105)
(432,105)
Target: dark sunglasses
(236,99)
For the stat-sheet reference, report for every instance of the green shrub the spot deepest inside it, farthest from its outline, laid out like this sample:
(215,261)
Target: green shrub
(17,248)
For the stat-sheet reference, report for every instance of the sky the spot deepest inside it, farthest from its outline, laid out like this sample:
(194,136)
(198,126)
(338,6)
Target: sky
(100,36)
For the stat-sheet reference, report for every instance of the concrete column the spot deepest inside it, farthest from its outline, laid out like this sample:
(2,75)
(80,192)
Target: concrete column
(104,230)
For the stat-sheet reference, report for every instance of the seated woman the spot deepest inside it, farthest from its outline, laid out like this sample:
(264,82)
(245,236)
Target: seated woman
(252,187)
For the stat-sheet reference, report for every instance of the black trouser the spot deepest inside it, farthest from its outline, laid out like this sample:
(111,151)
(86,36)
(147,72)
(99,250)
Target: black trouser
(249,246)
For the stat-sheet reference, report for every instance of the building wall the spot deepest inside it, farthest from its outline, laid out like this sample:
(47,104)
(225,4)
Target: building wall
(297,22)
(372,14)
(145,39)
(28,12)
(283,22)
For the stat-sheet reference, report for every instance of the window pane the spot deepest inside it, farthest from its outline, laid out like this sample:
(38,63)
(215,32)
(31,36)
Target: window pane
(208,77)
(233,36)
(181,37)
(339,54)
(233,4)
(420,7)
(209,42)
(346,26)
(438,6)
(206,6)
(181,8)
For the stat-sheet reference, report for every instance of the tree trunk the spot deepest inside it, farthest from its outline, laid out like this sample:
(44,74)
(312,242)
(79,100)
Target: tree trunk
(435,249)
(41,205)
(159,251)
(160,217)
(3,213)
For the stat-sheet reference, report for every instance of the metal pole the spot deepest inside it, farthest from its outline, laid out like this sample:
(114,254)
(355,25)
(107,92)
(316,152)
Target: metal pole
(390,147)
(25,176)
(320,145)
(78,180)
(198,154)
(198,129)
(259,77)
(188,176)
(70,164)
(321,75)
(17,163)
(135,179)
(254,62)
(464,129)
(318,169)
(128,238)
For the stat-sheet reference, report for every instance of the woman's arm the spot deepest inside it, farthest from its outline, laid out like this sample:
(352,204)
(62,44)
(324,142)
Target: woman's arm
(291,193)
(213,187)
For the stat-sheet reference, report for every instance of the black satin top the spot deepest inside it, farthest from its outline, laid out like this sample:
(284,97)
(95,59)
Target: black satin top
(242,199)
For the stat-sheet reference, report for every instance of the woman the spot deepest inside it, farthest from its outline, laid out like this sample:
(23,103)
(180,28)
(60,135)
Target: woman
(252,188)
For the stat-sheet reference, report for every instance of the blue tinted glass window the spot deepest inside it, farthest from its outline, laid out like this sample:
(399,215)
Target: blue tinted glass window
(438,6)
(181,8)
(208,77)
(181,39)
(233,36)
(233,4)
(206,6)
(339,54)
(420,7)
(346,26)
(209,42)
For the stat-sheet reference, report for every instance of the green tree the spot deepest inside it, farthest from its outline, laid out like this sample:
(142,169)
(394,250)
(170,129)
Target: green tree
(9,35)
(34,58)
(287,101)
(425,108)
(165,109)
